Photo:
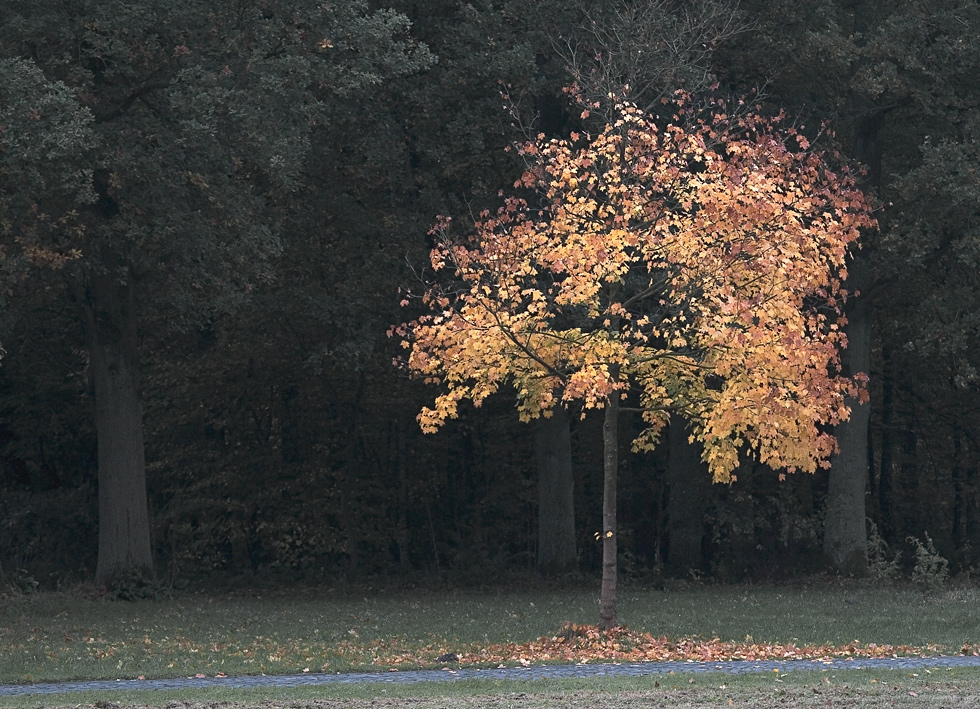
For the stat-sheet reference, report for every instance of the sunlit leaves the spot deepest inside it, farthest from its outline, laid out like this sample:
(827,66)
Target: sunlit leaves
(701,261)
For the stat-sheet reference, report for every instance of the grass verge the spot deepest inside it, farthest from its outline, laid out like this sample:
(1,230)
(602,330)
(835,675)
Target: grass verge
(957,687)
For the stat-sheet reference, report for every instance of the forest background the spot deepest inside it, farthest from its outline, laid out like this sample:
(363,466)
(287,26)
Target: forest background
(207,215)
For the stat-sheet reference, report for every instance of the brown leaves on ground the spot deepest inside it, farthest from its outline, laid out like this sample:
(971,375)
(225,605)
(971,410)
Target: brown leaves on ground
(586,643)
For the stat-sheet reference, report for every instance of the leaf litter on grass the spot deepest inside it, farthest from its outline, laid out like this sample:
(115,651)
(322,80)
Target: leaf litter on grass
(585,643)
(573,643)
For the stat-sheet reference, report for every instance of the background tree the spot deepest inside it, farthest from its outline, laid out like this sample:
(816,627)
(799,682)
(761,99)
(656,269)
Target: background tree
(643,51)
(673,266)
(687,479)
(45,175)
(306,361)
(240,401)
(556,484)
(203,120)
(896,78)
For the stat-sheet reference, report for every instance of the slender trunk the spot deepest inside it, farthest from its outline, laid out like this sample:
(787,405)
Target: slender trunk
(556,501)
(124,526)
(971,508)
(912,512)
(610,469)
(401,533)
(872,491)
(845,542)
(348,484)
(886,469)
(350,526)
(958,532)
(432,536)
(687,476)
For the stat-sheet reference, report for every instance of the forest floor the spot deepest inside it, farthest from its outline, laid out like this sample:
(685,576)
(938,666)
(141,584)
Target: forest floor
(69,636)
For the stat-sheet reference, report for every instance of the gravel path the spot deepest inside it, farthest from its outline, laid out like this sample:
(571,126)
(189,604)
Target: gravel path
(633,669)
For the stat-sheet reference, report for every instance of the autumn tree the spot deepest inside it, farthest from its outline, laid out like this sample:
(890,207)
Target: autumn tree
(627,50)
(690,268)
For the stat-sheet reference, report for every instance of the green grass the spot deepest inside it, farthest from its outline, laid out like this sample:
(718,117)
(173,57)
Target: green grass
(862,688)
(52,637)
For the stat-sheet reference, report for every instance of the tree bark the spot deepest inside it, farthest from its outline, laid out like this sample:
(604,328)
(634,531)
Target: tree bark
(845,532)
(610,469)
(845,542)
(912,514)
(348,486)
(958,527)
(687,476)
(972,506)
(886,464)
(124,528)
(401,532)
(556,499)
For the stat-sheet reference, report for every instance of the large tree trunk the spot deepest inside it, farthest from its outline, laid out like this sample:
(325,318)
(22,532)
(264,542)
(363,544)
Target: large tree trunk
(610,469)
(687,476)
(124,527)
(845,542)
(556,500)
(845,531)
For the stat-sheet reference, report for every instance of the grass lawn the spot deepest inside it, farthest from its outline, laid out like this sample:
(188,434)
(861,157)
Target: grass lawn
(953,688)
(51,636)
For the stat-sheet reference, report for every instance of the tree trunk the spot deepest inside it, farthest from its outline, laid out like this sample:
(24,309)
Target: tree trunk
(972,507)
(845,527)
(401,533)
(348,486)
(687,476)
(912,514)
(610,469)
(556,501)
(958,526)
(124,527)
(886,465)
(845,542)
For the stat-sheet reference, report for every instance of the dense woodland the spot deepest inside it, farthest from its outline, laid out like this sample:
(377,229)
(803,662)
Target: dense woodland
(210,213)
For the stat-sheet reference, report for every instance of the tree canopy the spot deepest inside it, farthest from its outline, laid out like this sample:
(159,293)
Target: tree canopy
(696,268)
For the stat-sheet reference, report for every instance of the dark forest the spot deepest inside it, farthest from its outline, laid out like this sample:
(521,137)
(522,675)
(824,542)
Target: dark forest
(210,212)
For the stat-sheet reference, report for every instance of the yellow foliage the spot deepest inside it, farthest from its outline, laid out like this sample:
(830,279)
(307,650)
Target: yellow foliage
(696,269)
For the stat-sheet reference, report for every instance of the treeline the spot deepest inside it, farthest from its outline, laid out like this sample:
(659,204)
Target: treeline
(207,215)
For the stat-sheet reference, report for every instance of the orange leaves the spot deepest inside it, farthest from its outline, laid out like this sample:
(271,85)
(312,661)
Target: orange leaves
(586,643)
(703,261)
